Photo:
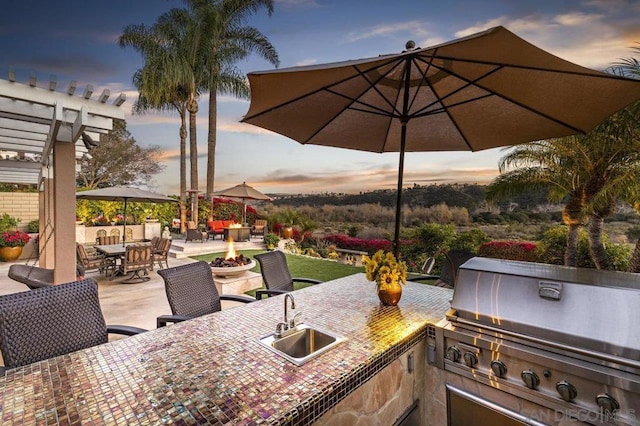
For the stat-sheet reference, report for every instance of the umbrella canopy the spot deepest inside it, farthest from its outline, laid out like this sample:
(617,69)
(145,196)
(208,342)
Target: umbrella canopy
(483,91)
(244,192)
(125,194)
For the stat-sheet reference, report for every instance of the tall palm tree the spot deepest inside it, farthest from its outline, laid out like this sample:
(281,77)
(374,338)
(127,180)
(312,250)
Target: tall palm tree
(172,51)
(170,99)
(546,165)
(228,40)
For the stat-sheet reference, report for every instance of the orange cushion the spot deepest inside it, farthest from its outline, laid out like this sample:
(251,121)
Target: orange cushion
(215,225)
(226,223)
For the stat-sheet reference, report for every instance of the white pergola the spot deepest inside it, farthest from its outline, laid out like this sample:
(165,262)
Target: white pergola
(47,126)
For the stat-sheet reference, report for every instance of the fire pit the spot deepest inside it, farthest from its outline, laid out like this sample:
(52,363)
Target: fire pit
(232,264)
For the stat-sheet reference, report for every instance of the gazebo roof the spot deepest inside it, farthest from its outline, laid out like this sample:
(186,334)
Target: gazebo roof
(32,118)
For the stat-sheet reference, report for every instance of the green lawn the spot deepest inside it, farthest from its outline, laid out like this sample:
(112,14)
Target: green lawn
(300,266)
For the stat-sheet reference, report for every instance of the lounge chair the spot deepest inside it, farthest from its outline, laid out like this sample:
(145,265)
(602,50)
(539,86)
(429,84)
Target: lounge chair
(56,320)
(195,234)
(276,276)
(192,292)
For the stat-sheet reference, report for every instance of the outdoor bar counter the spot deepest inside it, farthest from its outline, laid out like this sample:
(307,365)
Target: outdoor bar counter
(212,369)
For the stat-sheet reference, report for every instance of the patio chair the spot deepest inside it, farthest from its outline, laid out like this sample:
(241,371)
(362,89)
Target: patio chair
(48,322)
(161,251)
(95,262)
(108,240)
(137,259)
(192,292)
(35,276)
(276,276)
(259,228)
(449,272)
(194,233)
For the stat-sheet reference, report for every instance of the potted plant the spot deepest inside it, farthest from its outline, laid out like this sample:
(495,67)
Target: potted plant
(271,240)
(11,244)
(388,274)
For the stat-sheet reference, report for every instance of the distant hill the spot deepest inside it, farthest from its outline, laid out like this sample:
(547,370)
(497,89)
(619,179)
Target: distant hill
(469,196)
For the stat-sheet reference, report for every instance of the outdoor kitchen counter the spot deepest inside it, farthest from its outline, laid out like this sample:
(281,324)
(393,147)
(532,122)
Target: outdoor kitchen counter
(213,369)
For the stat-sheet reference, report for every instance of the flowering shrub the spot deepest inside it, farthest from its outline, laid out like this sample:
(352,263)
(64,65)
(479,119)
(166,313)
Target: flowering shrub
(511,250)
(14,239)
(360,244)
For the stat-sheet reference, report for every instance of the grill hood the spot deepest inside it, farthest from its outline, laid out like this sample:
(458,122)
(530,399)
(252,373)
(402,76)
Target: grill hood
(577,307)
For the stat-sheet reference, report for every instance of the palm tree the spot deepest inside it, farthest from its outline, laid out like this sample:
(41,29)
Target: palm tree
(172,51)
(546,165)
(171,99)
(228,40)
(630,67)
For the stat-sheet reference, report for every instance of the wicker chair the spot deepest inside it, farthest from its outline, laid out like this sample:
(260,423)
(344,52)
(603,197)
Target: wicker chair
(35,276)
(52,321)
(137,259)
(276,275)
(192,292)
(96,262)
(161,252)
(449,273)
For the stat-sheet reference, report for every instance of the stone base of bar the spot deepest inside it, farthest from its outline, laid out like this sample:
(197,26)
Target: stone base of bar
(238,285)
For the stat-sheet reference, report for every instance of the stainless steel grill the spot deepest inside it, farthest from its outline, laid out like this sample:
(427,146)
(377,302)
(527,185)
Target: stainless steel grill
(564,339)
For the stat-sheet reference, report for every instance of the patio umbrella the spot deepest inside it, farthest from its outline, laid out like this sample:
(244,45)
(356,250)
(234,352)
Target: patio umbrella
(125,194)
(245,192)
(483,91)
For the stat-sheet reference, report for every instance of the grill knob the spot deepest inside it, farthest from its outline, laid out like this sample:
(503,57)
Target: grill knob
(453,354)
(470,359)
(607,403)
(566,390)
(530,379)
(499,368)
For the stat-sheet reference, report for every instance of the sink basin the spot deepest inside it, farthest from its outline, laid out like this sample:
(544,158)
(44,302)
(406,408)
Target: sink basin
(302,343)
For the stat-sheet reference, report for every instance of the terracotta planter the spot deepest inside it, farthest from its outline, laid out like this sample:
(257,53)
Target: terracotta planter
(9,254)
(287,232)
(390,294)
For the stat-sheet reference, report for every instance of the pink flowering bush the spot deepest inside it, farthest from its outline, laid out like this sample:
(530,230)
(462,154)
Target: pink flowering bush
(14,239)
(511,250)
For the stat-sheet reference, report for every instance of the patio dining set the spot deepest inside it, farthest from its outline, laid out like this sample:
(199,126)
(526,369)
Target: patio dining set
(133,260)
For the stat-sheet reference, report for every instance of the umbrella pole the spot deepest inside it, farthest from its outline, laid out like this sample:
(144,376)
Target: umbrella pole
(124,227)
(396,235)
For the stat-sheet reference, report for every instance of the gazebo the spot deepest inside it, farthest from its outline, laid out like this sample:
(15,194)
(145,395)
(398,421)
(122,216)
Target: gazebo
(45,128)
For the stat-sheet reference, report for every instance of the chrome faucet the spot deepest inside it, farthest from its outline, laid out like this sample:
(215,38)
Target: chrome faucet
(282,327)
(286,311)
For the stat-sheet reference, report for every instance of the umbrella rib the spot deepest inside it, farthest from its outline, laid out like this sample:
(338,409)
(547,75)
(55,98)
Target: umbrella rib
(507,98)
(372,85)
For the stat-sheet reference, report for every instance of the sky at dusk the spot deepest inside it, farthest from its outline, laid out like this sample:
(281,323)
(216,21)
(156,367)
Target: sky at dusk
(77,40)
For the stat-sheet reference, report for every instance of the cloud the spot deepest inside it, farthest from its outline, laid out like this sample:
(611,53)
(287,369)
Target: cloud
(418,28)
(593,40)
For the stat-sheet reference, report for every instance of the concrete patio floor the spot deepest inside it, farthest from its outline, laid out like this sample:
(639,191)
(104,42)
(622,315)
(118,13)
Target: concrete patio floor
(137,304)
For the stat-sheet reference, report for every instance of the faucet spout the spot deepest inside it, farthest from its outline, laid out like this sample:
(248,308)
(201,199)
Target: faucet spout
(288,296)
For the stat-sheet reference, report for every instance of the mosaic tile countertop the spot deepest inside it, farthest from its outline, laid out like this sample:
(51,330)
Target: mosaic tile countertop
(212,370)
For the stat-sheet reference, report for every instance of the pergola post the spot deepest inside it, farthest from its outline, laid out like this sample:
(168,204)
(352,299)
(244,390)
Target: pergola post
(64,202)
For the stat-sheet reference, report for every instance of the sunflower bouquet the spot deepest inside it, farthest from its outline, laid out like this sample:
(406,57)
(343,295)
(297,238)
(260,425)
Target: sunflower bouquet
(384,269)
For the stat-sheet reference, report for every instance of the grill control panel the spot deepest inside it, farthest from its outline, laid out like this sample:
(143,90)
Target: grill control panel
(570,387)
